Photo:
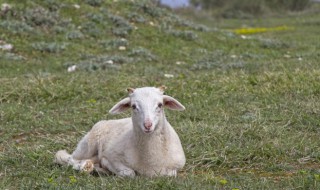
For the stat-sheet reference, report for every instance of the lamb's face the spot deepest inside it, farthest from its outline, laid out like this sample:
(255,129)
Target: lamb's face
(147,107)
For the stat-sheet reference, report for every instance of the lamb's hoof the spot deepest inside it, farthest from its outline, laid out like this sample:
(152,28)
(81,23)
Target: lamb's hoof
(172,173)
(87,166)
(127,173)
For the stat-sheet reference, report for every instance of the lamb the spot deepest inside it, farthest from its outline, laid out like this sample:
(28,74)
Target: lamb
(145,144)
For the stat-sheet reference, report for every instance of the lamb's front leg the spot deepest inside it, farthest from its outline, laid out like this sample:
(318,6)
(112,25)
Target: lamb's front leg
(64,158)
(161,172)
(117,168)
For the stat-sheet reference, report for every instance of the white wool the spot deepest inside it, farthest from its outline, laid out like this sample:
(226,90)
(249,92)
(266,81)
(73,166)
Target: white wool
(144,144)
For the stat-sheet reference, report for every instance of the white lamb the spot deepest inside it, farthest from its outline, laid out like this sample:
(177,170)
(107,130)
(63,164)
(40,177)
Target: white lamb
(144,144)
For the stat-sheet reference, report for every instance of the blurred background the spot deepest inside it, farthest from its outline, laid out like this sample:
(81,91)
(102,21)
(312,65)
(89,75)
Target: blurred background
(240,8)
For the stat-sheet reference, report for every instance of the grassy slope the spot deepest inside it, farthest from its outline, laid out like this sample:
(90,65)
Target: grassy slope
(252,118)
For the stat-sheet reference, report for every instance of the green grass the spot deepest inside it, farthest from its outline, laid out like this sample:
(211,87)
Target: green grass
(252,105)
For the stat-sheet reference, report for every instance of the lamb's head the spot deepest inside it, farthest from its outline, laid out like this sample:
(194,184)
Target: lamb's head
(147,105)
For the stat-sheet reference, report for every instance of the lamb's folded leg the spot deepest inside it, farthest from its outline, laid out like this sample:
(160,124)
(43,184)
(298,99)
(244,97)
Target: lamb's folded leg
(64,158)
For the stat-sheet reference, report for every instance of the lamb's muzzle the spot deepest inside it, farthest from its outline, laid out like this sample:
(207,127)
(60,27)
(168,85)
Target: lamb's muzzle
(147,125)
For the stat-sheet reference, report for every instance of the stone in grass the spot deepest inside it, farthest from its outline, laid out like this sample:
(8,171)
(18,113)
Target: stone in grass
(72,68)
(122,48)
(168,75)
(6,47)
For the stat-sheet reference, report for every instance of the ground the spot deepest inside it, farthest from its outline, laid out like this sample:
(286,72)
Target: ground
(251,98)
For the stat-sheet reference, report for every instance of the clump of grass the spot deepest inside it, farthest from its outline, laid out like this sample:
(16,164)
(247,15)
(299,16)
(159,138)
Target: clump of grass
(49,47)
(218,59)
(135,17)
(59,29)
(102,62)
(40,16)
(91,29)
(151,9)
(96,17)
(11,56)
(142,53)
(53,5)
(95,3)
(76,34)
(178,21)
(121,31)
(274,44)
(121,26)
(16,27)
(184,34)
(114,43)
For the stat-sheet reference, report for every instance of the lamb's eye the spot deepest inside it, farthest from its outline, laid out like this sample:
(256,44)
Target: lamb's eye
(134,106)
(160,105)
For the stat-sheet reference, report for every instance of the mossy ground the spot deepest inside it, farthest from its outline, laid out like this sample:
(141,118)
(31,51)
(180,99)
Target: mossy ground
(252,101)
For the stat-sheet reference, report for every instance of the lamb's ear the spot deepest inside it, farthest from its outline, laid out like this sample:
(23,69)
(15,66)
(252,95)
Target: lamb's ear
(130,90)
(121,106)
(172,103)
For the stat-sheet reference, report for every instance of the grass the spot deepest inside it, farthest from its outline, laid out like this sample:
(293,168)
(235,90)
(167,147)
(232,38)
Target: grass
(252,117)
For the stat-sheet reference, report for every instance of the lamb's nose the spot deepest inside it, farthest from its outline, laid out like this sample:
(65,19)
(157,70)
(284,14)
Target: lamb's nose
(147,125)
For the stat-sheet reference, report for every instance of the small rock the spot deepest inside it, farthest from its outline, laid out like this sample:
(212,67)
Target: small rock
(243,37)
(72,68)
(7,47)
(76,6)
(122,48)
(123,40)
(110,62)
(180,62)
(168,75)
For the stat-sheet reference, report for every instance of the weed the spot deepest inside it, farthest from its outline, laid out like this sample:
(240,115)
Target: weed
(114,43)
(76,34)
(96,17)
(186,35)
(151,10)
(91,29)
(95,3)
(135,17)
(122,26)
(11,56)
(16,27)
(141,52)
(49,47)
(219,59)
(40,16)
(101,62)
(274,44)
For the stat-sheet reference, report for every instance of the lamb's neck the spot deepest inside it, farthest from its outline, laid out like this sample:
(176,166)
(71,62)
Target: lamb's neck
(154,143)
